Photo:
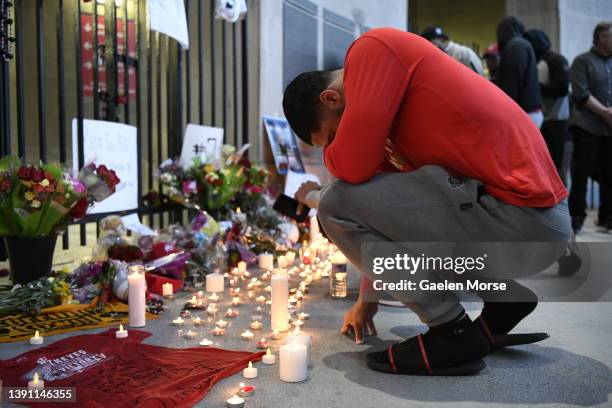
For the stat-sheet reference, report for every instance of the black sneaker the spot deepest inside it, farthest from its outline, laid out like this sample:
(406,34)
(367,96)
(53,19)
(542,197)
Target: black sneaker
(604,224)
(577,223)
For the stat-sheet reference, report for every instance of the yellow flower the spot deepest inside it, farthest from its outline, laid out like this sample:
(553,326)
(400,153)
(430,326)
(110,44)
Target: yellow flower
(45,183)
(209,168)
(29,195)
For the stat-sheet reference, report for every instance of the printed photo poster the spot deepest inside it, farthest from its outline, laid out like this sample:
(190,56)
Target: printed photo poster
(114,145)
(284,145)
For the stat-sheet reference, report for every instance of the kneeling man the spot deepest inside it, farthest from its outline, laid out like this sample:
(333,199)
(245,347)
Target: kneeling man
(426,150)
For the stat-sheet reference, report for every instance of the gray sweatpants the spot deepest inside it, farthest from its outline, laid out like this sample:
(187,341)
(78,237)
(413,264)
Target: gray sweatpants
(429,205)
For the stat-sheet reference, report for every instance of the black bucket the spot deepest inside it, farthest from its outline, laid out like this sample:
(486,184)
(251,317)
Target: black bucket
(30,258)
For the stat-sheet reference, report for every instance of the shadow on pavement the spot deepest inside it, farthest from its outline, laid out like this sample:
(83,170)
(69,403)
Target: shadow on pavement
(531,374)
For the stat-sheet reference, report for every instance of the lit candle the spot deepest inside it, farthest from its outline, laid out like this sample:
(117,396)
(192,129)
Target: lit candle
(314,228)
(185,313)
(36,382)
(178,321)
(246,390)
(121,333)
(197,321)
(297,337)
(212,309)
(242,267)
(190,335)
(247,335)
(233,283)
(214,282)
(240,216)
(236,301)
(262,344)
(303,316)
(280,304)
(206,343)
(193,301)
(260,300)
(218,331)
(213,298)
(293,362)
(266,261)
(256,325)
(235,402)
(231,313)
(167,289)
(37,340)
(282,261)
(250,371)
(275,335)
(137,287)
(234,291)
(222,323)
(251,294)
(268,358)
(258,309)
(297,323)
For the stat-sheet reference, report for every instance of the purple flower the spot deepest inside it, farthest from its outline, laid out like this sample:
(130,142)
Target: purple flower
(78,186)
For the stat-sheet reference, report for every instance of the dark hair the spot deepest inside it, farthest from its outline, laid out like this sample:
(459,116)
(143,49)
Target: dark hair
(601,28)
(301,102)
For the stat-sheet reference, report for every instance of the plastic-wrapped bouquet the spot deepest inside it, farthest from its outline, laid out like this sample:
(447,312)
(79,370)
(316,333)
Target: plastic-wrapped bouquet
(39,199)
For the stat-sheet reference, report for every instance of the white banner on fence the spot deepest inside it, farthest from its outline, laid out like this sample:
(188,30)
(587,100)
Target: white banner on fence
(114,145)
(204,142)
(168,17)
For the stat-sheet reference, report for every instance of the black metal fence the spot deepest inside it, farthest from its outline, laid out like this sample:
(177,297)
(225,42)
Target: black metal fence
(98,59)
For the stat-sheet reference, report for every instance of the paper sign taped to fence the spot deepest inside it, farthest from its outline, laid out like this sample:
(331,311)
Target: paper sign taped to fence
(114,145)
(168,17)
(132,222)
(204,142)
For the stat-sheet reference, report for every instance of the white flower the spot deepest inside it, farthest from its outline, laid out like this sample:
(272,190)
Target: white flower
(228,150)
(166,177)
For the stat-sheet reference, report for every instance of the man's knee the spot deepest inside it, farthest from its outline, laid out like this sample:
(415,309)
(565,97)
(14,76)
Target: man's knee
(331,203)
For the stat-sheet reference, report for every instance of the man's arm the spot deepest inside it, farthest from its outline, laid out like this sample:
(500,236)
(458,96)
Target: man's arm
(374,81)
(512,70)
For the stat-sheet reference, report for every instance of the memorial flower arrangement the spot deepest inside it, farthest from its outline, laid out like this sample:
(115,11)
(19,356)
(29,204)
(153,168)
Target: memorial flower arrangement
(208,185)
(40,199)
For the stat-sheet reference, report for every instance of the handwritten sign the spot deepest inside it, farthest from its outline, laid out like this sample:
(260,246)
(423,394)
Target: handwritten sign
(204,142)
(114,145)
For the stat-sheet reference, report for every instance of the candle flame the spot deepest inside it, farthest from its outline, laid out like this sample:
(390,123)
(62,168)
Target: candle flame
(120,327)
(250,365)
(238,211)
(36,334)
(35,378)
(268,352)
(241,385)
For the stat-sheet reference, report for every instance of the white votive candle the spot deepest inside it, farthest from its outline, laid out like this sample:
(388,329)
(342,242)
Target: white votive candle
(214,282)
(37,340)
(250,371)
(137,287)
(299,337)
(121,333)
(235,402)
(206,343)
(293,364)
(190,335)
(197,321)
(282,261)
(167,289)
(178,321)
(214,298)
(247,335)
(266,261)
(36,382)
(268,358)
(218,331)
(222,323)
(256,325)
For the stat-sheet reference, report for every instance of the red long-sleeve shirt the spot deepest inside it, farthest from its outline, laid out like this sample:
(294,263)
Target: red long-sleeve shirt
(399,86)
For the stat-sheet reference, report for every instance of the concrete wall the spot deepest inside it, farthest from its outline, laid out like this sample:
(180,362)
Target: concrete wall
(541,14)
(365,13)
(577,20)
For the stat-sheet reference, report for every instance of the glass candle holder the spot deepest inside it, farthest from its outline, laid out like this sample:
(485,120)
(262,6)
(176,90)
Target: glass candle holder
(338,281)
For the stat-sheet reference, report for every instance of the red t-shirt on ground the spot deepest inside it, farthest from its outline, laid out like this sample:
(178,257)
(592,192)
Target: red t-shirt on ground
(110,372)
(398,85)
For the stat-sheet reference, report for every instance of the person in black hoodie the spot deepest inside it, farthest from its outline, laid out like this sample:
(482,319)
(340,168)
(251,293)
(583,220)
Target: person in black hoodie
(517,74)
(553,74)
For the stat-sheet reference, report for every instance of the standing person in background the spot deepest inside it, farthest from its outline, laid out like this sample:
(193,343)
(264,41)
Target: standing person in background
(591,125)
(461,53)
(491,59)
(553,74)
(517,74)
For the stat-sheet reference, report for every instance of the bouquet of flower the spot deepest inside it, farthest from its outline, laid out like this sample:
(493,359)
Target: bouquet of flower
(37,200)
(209,185)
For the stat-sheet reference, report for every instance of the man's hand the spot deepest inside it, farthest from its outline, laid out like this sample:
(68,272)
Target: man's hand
(301,193)
(607,115)
(360,318)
